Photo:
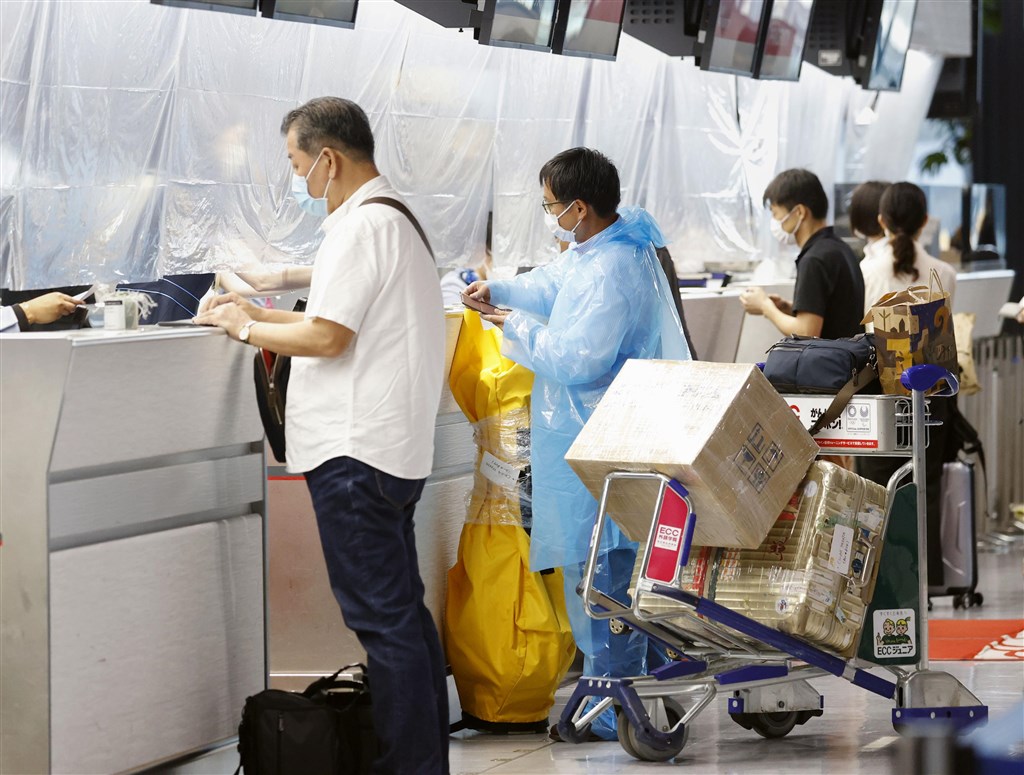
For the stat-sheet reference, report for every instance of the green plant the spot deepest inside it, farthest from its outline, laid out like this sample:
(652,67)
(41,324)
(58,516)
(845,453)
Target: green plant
(955,145)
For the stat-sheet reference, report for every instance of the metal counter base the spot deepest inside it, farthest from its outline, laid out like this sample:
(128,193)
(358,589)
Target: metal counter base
(132,569)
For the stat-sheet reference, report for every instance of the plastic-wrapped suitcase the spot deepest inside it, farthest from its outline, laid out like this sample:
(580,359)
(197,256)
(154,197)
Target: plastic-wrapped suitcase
(800,580)
(958,539)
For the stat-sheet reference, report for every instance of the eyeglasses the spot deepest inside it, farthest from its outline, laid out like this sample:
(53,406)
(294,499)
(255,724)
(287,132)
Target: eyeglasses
(546,206)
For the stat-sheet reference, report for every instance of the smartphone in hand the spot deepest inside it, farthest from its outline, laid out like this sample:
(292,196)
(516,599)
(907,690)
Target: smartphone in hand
(479,306)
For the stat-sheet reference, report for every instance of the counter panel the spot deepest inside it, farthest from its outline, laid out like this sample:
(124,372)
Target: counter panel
(128,400)
(156,642)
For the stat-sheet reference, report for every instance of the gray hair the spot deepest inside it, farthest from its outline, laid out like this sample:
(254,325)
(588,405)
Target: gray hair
(331,122)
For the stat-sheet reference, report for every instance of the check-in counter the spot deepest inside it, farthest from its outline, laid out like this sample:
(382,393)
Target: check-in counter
(980,293)
(307,635)
(132,603)
(714,319)
(983,293)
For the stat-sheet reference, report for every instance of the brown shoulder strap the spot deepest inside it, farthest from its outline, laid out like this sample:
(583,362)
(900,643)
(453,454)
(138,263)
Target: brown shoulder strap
(862,379)
(386,200)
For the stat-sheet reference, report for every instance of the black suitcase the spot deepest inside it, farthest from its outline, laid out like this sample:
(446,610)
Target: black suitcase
(958,536)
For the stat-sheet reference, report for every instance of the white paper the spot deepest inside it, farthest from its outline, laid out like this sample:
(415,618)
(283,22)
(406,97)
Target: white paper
(498,471)
(842,546)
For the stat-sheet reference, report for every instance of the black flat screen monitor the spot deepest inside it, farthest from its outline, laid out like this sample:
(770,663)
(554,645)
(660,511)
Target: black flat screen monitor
(591,28)
(731,31)
(336,13)
(231,6)
(785,39)
(519,23)
(889,53)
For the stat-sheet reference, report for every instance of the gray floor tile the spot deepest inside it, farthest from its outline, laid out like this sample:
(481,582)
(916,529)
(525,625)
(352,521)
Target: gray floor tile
(854,735)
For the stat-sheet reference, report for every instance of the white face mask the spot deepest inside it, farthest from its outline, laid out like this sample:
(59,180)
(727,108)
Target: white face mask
(551,221)
(784,237)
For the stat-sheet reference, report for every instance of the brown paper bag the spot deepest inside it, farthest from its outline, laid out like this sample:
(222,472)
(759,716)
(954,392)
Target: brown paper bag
(912,326)
(963,327)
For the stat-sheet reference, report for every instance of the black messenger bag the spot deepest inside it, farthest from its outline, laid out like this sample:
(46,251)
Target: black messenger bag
(807,364)
(326,729)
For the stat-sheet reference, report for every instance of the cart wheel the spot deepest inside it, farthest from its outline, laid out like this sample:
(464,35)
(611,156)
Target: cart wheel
(642,751)
(618,627)
(929,604)
(977,598)
(958,602)
(772,725)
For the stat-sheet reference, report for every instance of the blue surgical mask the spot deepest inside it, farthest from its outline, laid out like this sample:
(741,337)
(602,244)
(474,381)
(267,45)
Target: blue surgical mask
(316,206)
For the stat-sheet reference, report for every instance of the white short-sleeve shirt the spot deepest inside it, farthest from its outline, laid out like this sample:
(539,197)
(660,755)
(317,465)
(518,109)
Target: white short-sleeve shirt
(378,401)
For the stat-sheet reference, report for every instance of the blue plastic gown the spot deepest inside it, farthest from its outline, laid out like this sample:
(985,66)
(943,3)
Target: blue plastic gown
(575,323)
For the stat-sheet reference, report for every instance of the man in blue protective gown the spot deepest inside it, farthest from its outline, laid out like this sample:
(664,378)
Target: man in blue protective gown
(574,323)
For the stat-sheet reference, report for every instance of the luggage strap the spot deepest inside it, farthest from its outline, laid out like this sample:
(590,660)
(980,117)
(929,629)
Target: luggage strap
(386,200)
(860,380)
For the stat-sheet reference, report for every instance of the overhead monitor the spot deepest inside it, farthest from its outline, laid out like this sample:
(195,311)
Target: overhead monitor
(784,41)
(670,26)
(883,60)
(730,35)
(231,6)
(834,37)
(589,28)
(526,24)
(336,13)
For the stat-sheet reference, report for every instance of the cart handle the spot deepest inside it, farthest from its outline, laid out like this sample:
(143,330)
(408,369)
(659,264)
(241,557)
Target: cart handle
(925,376)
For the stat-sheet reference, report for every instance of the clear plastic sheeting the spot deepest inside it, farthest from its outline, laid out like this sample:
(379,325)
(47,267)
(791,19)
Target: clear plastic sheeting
(141,140)
(502,484)
(882,127)
(541,100)
(698,191)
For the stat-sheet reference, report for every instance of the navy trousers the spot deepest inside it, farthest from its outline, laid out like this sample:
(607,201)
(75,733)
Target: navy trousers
(365,517)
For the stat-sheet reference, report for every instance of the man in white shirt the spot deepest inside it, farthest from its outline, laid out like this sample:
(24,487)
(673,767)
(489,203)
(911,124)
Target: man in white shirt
(362,402)
(42,309)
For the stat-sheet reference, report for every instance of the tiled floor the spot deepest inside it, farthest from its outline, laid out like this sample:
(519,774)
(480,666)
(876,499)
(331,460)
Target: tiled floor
(854,736)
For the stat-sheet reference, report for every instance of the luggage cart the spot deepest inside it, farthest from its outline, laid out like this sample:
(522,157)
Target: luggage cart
(762,672)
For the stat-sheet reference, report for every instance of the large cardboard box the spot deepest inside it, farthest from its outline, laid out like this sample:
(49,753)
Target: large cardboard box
(720,429)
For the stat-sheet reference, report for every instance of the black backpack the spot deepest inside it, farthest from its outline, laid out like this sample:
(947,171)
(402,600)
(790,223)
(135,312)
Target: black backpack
(326,729)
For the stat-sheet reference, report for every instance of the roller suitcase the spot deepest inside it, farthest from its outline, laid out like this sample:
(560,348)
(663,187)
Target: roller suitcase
(957,533)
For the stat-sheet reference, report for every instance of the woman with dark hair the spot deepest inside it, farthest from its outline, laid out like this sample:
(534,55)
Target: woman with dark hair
(902,262)
(903,212)
(864,204)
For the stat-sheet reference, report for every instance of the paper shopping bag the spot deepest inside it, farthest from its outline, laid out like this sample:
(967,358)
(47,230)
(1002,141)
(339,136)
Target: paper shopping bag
(912,326)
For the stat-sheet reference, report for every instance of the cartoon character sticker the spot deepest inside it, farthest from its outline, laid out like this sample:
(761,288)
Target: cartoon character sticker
(894,633)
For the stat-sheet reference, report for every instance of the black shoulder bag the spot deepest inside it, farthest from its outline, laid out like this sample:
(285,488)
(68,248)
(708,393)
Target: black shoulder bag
(271,371)
(807,364)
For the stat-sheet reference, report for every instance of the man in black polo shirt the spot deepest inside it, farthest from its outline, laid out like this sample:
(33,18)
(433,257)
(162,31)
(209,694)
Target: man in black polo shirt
(828,300)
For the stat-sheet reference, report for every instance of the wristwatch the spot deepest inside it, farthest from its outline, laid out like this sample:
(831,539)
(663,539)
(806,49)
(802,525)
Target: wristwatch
(243,333)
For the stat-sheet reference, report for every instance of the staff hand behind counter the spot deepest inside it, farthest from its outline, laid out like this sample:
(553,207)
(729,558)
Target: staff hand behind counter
(48,307)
